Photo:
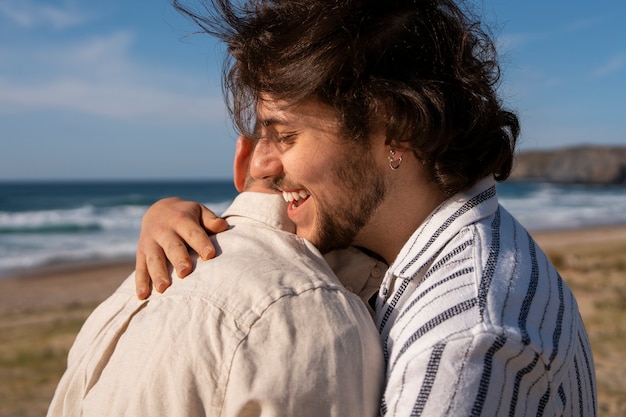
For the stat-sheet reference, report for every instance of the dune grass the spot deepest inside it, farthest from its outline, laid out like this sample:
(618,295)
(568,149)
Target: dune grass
(33,356)
(597,275)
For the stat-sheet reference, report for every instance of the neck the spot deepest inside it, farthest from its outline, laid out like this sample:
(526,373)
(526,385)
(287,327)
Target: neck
(408,202)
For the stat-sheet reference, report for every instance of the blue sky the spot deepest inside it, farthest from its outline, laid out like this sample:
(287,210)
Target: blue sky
(117,90)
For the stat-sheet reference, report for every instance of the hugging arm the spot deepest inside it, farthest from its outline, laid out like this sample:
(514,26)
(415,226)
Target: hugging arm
(169,227)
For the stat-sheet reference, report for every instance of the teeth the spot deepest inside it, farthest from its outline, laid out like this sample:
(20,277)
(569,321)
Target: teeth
(289,196)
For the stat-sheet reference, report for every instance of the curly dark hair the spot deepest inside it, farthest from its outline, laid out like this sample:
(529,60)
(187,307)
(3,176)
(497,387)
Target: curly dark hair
(425,71)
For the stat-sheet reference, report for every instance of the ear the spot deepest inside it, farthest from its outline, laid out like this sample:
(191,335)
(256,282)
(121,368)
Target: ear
(243,152)
(396,151)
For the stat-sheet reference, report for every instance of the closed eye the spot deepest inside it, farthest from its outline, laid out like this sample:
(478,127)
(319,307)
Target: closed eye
(286,138)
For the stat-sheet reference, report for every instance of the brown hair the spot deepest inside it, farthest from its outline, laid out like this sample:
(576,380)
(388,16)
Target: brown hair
(424,70)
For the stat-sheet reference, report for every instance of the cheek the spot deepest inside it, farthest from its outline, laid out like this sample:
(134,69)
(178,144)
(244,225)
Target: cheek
(320,168)
(308,171)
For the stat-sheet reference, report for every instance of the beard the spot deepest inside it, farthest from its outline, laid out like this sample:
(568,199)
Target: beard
(340,221)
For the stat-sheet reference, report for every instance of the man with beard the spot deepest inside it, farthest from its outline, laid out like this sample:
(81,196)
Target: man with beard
(380,124)
(236,337)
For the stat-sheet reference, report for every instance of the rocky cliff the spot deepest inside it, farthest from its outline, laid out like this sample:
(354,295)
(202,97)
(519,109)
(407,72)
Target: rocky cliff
(577,165)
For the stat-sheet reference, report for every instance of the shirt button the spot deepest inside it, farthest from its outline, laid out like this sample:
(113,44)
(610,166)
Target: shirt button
(376,272)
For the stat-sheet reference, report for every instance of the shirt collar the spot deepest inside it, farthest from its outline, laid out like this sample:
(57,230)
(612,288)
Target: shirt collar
(268,208)
(443,224)
(357,271)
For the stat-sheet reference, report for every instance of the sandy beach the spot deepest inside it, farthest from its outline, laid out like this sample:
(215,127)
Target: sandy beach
(42,310)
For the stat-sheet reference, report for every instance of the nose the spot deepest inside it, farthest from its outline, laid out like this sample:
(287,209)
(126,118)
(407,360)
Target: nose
(265,163)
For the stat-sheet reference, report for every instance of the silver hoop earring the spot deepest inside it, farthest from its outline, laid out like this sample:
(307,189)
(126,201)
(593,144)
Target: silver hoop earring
(394,164)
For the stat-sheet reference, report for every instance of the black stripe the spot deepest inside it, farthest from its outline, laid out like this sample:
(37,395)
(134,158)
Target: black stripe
(569,337)
(562,396)
(383,406)
(429,380)
(390,309)
(456,274)
(434,322)
(392,304)
(483,386)
(548,304)
(590,373)
(532,289)
(518,381)
(476,200)
(490,267)
(435,267)
(580,388)
(543,401)
(445,260)
(556,336)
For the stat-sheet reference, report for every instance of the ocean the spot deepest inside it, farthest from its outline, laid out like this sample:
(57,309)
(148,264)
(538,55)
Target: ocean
(46,223)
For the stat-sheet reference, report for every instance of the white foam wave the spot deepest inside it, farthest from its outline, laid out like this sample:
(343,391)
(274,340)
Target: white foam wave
(557,207)
(37,238)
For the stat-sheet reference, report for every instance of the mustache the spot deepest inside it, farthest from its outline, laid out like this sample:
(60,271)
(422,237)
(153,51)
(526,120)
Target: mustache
(274,183)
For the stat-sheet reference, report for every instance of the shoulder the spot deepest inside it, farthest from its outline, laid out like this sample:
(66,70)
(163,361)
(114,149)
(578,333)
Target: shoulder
(263,257)
(255,267)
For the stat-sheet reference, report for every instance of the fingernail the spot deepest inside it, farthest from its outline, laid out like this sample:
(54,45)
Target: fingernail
(205,253)
(182,269)
(161,286)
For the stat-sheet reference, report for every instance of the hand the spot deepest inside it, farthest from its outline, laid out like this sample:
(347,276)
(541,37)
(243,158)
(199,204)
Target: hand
(168,228)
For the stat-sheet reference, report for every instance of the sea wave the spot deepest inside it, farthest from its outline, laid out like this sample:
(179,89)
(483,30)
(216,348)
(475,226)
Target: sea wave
(30,239)
(545,206)
(96,251)
(81,219)
(53,228)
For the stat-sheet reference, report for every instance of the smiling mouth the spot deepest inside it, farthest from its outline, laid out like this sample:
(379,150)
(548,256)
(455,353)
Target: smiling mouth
(295,198)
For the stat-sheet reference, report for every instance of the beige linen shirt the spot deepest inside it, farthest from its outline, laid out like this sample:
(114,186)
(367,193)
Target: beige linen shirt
(264,329)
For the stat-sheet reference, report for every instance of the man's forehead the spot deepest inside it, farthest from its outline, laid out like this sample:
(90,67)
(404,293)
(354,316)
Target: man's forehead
(269,114)
(306,113)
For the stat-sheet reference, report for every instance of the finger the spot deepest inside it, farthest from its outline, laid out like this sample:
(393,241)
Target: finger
(213,224)
(187,231)
(142,277)
(198,240)
(158,271)
(211,221)
(177,254)
(193,231)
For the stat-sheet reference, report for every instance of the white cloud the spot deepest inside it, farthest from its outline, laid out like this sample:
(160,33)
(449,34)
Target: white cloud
(118,101)
(102,56)
(510,42)
(613,65)
(28,14)
(98,76)
(580,25)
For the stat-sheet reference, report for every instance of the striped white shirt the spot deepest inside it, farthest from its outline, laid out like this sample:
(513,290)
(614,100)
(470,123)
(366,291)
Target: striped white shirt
(475,321)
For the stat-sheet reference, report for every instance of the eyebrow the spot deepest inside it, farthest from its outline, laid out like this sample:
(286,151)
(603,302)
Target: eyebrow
(271,121)
(266,122)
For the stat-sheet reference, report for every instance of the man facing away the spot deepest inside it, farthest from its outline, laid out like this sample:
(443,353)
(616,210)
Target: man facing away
(265,330)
